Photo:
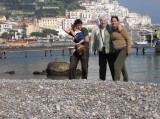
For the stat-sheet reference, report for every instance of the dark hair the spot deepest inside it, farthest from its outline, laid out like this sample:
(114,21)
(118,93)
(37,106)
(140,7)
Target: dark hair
(77,21)
(116,17)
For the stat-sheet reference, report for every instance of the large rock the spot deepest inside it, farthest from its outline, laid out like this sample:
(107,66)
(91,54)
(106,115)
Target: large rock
(59,68)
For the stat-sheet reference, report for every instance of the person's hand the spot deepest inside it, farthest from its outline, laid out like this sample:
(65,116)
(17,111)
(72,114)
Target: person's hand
(119,27)
(78,44)
(72,27)
(128,52)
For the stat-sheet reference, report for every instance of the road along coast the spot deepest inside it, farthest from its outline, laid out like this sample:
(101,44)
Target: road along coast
(78,99)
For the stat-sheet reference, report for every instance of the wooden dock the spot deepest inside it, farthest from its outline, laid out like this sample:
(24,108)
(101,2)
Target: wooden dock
(143,48)
(3,52)
(26,51)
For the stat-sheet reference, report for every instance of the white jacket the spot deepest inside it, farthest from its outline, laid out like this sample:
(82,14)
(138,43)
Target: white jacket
(98,43)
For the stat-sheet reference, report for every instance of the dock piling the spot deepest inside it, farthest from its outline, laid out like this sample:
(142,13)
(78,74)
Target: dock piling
(63,52)
(26,55)
(143,51)
(51,53)
(45,53)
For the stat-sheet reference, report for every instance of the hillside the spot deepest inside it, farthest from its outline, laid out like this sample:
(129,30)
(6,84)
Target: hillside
(39,8)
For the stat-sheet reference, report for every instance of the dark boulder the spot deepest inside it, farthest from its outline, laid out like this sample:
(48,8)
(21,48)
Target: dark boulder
(37,73)
(40,73)
(59,68)
(10,72)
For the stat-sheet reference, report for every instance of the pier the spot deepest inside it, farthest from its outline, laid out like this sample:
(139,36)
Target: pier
(3,52)
(143,48)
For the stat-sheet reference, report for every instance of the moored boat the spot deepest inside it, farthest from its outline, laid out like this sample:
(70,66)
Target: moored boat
(141,43)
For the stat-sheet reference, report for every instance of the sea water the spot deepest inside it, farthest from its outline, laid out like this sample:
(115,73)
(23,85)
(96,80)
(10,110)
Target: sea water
(141,68)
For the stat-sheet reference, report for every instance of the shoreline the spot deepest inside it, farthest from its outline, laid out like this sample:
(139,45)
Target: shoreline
(82,99)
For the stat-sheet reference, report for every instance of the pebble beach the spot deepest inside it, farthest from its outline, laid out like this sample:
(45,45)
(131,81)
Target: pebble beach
(78,99)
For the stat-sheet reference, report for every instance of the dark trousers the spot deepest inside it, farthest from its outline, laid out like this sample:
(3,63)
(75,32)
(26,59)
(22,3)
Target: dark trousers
(119,65)
(103,59)
(74,59)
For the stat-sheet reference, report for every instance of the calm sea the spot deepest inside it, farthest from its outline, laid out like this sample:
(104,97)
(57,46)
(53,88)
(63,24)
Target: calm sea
(141,68)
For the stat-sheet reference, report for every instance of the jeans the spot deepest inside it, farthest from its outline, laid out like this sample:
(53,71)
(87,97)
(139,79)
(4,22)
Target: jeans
(103,59)
(119,64)
(74,59)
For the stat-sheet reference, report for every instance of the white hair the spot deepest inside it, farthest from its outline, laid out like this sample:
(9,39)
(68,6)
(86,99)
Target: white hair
(103,16)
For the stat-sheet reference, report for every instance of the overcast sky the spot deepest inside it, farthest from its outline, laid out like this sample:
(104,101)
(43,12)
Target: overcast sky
(144,7)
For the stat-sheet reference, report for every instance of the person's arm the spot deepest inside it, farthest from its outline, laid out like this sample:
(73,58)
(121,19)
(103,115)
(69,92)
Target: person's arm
(72,33)
(120,28)
(86,39)
(125,34)
(81,41)
(69,31)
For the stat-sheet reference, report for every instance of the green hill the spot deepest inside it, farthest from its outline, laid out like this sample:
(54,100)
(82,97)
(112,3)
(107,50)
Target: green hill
(40,7)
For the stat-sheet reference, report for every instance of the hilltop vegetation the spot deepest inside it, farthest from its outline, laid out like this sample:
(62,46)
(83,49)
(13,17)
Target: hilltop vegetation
(39,7)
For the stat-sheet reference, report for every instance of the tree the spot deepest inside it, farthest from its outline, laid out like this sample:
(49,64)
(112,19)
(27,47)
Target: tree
(18,34)
(12,33)
(37,34)
(49,32)
(24,31)
(5,35)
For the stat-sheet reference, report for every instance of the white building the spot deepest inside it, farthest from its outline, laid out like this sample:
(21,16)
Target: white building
(87,3)
(68,22)
(48,22)
(5,27)
(51,22)
(135,18)
(94,9)
(145,20)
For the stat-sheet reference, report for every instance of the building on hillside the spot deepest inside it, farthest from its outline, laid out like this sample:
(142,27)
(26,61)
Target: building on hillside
(135,18)
(18,32)
(5,27)
(146,20)
(56,23)
(80,14)
(95,8)
(3,18)
(51,22)
(60,20)
(86,3)
(132,19)
(76,14)
(48,22)
(31,27)
(68,22)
